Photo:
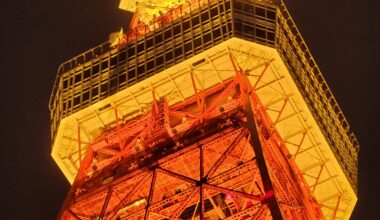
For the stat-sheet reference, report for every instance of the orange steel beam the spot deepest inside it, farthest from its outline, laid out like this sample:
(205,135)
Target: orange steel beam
(243,213)
(281,111)
(183,205)
(234,192)
(255,141)
(126,198)
(121,144)
(299,145)
(79,145)
(230,85)
(261,75)
(177,175)
(151,191)
(262,213)
(317,178)
(202,181)
(106,201)
(336,207)
(196,92)
(225,153)
(72,214)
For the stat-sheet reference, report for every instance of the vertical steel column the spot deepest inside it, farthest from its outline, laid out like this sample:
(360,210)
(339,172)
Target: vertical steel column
(79,145)
(151,191)
(202,180)
(105,204)
(245,89)
(257,147)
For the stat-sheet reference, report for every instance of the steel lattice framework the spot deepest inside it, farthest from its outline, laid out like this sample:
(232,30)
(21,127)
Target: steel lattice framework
(216,155)
(207,110)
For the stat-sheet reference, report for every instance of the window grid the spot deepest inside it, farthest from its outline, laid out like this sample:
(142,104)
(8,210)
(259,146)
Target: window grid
(317,94)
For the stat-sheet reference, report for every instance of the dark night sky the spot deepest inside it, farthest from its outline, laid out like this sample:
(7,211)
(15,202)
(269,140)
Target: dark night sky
(36,36)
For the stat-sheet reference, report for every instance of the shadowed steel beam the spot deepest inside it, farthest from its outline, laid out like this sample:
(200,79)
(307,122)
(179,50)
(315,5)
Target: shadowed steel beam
(176,175)
(261,75)
(201,182)
(255,140)
(129,195)
(233,192)
(252,210)
(73,214)
(151,191)
(105,204)
(257,147)
(226,152)
(79,144)
(199,101)
(216,208)
(184,204)
(262,213)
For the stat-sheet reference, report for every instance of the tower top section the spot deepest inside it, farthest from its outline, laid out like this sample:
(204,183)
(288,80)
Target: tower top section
(147,10)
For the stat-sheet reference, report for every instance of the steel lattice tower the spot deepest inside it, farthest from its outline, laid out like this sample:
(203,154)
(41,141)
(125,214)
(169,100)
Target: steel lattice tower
(202,110)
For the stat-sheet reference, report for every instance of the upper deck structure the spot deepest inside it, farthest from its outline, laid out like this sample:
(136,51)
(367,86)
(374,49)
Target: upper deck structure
(201,44)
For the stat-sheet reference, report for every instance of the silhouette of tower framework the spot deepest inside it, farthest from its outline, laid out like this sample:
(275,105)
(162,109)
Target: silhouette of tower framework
(202,110)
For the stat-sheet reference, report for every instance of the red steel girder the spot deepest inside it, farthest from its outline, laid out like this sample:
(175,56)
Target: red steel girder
(213,158)
(255,139)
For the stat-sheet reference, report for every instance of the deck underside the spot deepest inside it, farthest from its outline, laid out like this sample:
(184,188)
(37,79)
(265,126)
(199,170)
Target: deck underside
(273,85)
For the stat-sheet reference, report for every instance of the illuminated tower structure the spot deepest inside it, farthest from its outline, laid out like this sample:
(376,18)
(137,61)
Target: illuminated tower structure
(202,110)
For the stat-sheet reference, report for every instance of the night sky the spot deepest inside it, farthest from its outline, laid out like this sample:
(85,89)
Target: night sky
(37,36)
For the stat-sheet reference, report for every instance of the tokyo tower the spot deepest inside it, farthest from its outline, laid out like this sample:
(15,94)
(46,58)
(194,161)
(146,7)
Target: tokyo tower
(203,109)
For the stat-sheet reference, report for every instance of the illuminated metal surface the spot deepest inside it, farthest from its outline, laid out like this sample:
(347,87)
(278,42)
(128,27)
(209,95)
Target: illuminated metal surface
(279,95)
(148,10)
(109,86)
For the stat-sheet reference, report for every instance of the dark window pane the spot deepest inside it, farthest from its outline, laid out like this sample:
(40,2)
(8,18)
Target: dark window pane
(158,38)
(260,11)
(270,36)
(94,92)
(168,34)
(113,61)
(95,69)
(86,73)
(207,38)
(131,74)
(149,42)
(122,78)
(105,64)
(169,56)
(160,60)
(177,29)
(186,25)
(140,47)
(260,33)
(86,96)
(271,15)
(195,21)
(204,16)
(140,70)
(178,51)
(78,78)
(122,56)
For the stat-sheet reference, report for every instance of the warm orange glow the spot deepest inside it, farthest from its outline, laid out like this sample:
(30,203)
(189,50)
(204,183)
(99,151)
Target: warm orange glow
(180,118)
(148,10)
